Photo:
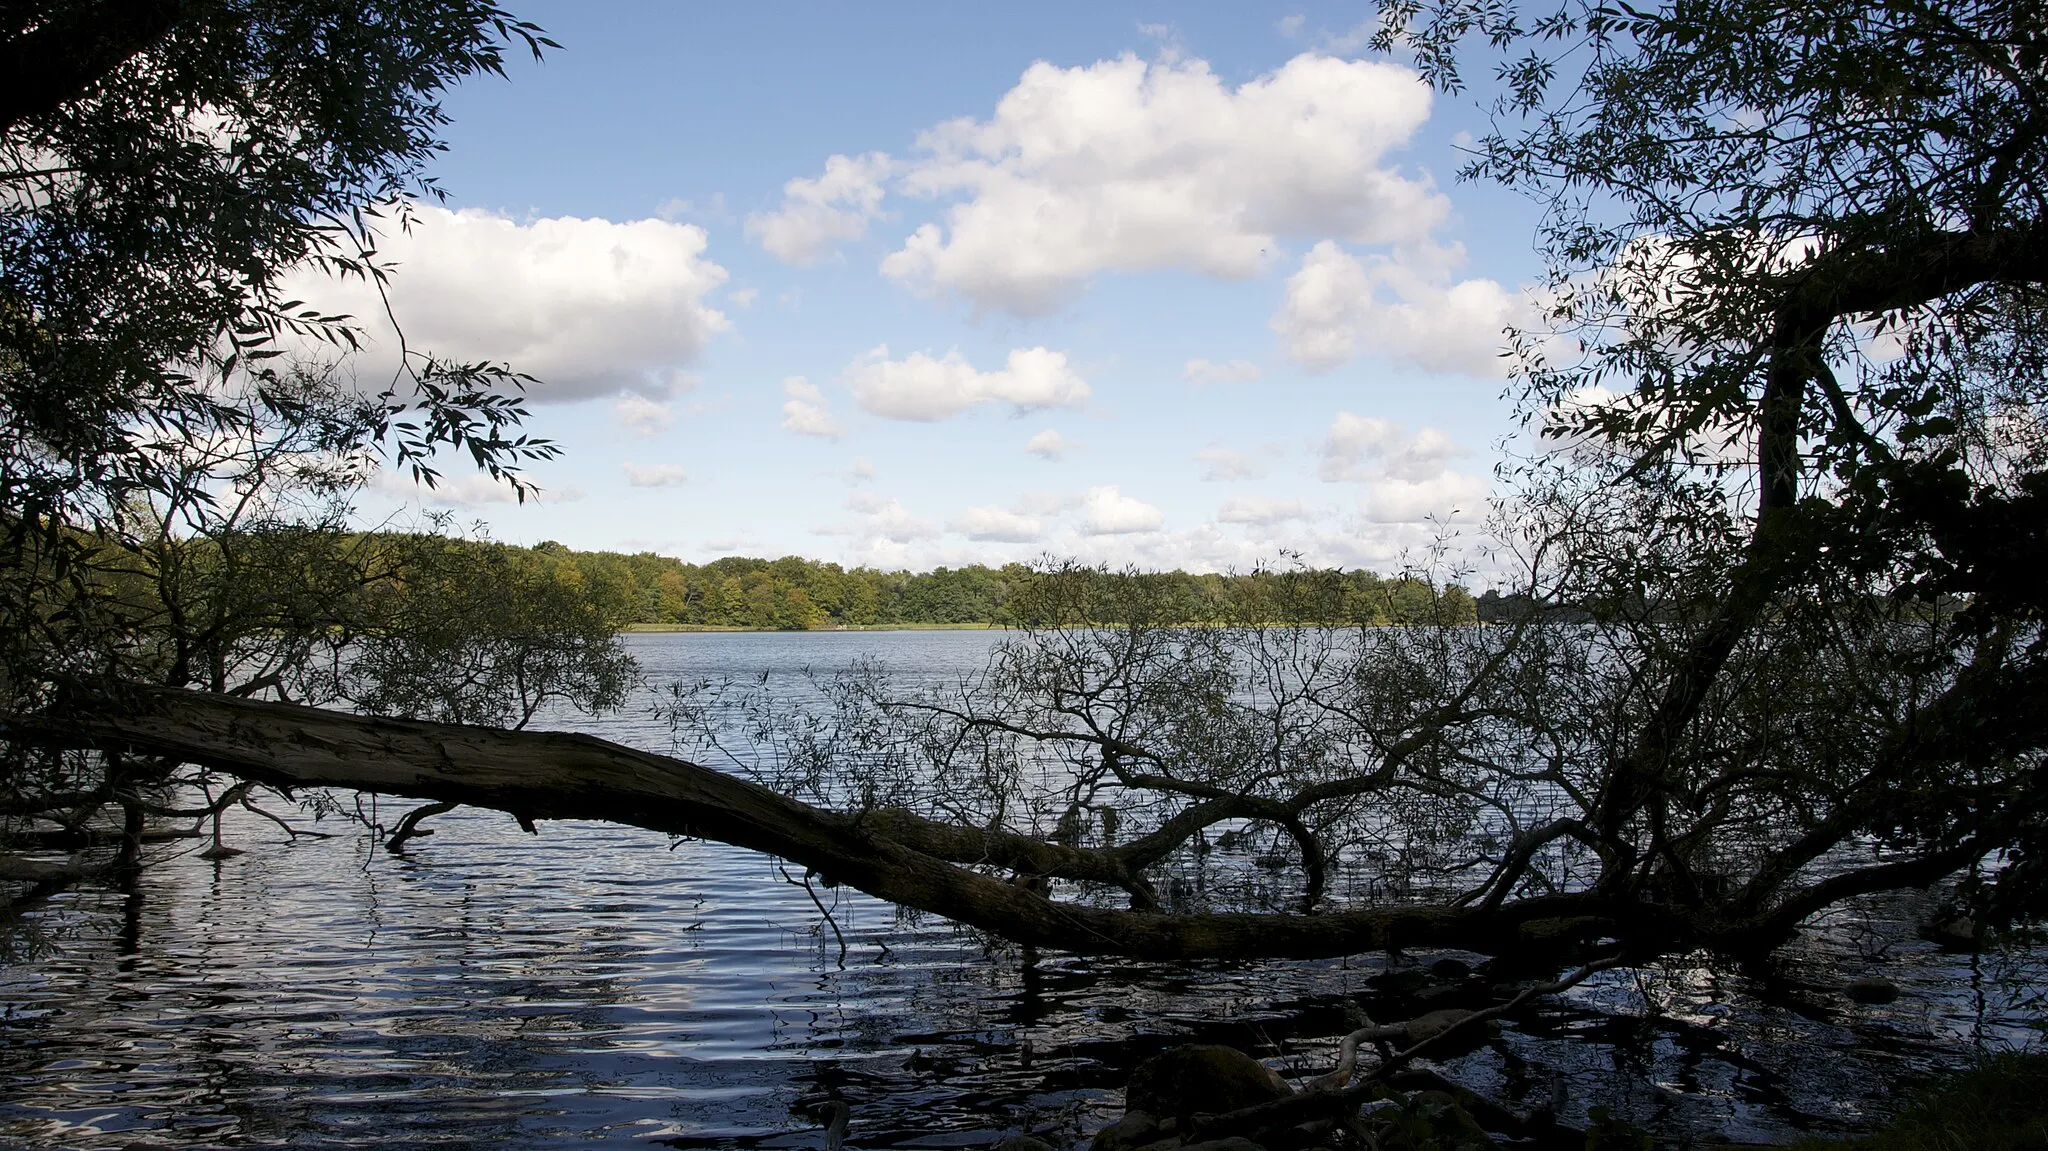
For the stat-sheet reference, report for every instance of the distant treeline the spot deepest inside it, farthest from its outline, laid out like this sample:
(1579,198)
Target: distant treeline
(792,593)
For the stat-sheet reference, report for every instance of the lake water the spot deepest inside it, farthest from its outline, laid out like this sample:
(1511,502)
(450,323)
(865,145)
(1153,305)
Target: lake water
(599,985)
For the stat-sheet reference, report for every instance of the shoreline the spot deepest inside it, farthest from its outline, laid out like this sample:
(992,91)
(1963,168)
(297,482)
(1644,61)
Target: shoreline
(662,628)
(673,628)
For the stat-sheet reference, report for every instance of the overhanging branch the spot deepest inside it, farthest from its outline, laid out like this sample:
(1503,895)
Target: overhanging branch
(76,48)
(555,775)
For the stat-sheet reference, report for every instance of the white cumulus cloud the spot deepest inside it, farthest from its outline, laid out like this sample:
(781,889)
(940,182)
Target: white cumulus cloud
(1110,512)
(925,389)
(1408,478)
(996,525)
(881,519)
(818,215)
(1257,510)
(643,416)
(1125,165)
(586,306)
(1223,464)
(1448,496)
(470,490)
(807,412)
(1365,447)
(1338,306)
(654,475)
(1205,372)
(1044,503)
(1049,445)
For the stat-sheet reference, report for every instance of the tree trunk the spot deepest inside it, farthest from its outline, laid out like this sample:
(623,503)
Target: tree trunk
(892,855)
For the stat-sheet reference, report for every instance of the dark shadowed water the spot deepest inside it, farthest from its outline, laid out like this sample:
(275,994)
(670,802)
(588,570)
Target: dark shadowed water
(597,984)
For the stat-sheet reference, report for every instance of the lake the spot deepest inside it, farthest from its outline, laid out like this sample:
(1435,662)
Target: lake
(596,984)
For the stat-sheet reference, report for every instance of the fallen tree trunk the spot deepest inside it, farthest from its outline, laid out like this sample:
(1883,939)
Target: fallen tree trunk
(891,854)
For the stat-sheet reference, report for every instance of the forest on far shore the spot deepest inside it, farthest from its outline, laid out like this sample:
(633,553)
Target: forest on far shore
(793,593)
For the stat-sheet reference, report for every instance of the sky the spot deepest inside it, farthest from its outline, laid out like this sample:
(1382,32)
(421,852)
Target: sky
(911,286)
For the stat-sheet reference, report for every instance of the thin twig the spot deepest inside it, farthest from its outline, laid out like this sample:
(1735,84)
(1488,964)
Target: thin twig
(824,911)
(294,832)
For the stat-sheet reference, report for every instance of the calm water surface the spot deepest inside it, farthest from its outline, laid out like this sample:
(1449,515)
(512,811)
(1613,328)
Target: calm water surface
(600,985)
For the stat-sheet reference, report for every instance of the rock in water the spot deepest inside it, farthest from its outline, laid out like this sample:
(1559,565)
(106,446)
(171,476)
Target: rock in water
(1201,1078)
(1871,990)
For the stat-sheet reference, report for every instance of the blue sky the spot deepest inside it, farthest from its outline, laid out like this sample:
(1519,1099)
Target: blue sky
(1187,287)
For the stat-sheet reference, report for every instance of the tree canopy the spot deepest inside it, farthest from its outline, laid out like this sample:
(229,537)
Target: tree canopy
(793,593)
(165,164)
(179,444)
(1793,339)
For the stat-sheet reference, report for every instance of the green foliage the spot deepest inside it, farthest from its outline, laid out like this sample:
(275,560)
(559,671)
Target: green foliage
(177,161)
(487,634)
(153,210)
(174,488)
(424,626)
(1792,364)
(793,593)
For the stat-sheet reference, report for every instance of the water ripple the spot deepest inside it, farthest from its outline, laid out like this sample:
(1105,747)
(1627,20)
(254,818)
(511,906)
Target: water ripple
(596,984)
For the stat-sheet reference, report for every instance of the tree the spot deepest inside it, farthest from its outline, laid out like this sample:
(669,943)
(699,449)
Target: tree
(166,164)
(174,487)
(162,178)
(1776,640)
(1802,245)
(243,578)
(480,633)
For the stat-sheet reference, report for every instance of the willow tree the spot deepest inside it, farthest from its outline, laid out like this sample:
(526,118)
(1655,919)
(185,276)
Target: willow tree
(173,497)
(1799,249)
(1789,382)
